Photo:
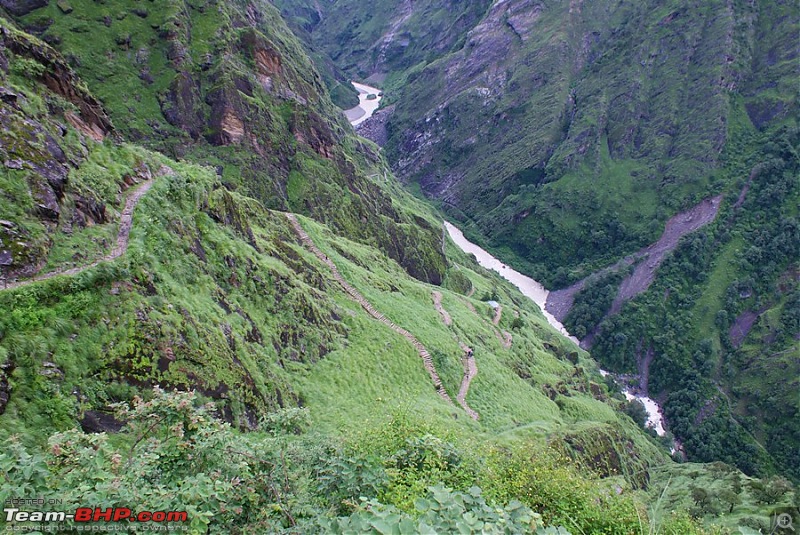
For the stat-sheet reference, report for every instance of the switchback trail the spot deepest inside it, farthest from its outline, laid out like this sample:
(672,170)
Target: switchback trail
(468,360)
(356,295)
(470,371)
(498,314)
(123,238)
(505,338)
(437,303)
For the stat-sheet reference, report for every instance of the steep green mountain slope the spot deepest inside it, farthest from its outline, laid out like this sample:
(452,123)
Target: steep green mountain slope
(565,135)
(384,38)
(302,18)
(570,132)
(125,269)
(725,337)
(227,84)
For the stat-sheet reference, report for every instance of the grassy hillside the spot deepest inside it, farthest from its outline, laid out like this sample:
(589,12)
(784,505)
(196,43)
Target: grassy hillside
(228,85)
(564,136)
(170,342)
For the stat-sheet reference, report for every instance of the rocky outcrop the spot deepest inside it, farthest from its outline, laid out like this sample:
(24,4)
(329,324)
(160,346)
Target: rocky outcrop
(268,65)
(231,127)
(22,7)
(59,77)
(97,421)
(313,131)
(33,148)
(374,128)
(125,224)
(182,105)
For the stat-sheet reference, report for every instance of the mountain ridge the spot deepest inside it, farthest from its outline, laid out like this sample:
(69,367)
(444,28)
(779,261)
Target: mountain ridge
(222,323)
(565,136)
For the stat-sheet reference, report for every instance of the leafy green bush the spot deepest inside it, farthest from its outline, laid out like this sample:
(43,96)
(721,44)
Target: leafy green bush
(442,511)
(551,486)
(27,67)
(290,421)
(173,456)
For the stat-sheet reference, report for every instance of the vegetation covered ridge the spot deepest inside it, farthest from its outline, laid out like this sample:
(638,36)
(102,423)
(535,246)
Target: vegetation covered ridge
(566,137)
(423,353)
(219,367)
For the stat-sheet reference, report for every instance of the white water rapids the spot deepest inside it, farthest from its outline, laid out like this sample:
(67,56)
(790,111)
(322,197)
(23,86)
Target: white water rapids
(538,294)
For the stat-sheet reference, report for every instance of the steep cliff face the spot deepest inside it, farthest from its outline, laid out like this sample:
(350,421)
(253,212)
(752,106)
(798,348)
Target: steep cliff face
(227,84)
(384,37)
(69,190)
(39,150)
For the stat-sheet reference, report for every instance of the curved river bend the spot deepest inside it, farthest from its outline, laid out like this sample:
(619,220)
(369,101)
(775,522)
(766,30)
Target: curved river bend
(366,106)
(538,294)
(529,287)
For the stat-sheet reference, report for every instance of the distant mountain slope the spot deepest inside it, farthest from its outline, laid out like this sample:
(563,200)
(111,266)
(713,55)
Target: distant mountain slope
(384,37)
(564,136)
(570,132)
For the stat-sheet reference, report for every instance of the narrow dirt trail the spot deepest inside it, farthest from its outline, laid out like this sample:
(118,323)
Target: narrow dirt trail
(498,313)
(123,238)
(437,303)
(507,340)
(470,371)
(467,361)
(356,296)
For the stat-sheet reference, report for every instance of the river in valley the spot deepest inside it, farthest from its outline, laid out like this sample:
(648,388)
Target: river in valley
(538,294)
(366,105)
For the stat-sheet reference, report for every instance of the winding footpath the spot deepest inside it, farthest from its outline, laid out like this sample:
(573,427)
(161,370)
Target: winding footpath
(123,238)
(356,296)
(470,371)
(505,338)
(437,303)
(498,314)
(467,361)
